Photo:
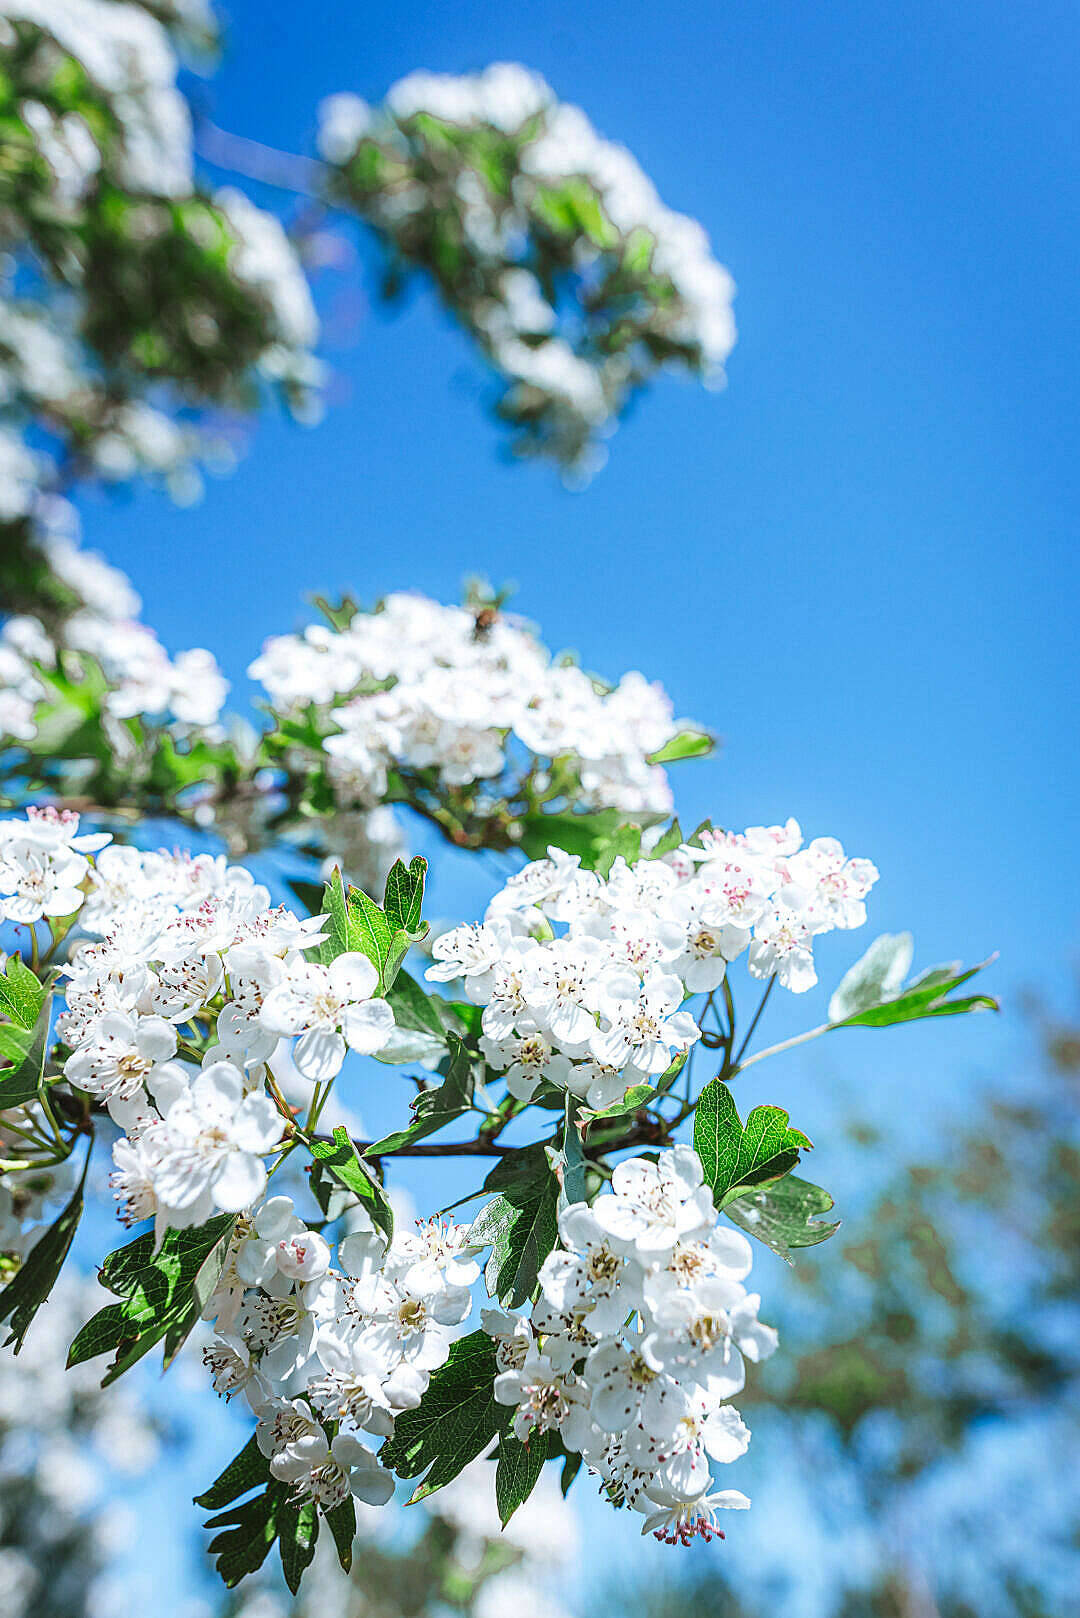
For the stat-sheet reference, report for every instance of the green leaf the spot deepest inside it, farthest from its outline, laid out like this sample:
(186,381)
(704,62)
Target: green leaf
(172,771)
(357,923)
(517,1471)
(733,1156)
(638,1095)
(342,1524)
(520,1224)
(434,1108)
(157,1292)
(414,1008)
(404,896)
(926,996)
(624,843)
(455,1420)
(570,1469)
(784,1215)
(21,995)
(568,1160)
(297,1525)
(687,744)
(248,1531)
(876,976)
(338,1158)
(34,1280)
(246,1471)
(668,843)
(576,833)
(27,1049)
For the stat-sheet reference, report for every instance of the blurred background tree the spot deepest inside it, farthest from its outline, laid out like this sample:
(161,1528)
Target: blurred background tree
(929,1384)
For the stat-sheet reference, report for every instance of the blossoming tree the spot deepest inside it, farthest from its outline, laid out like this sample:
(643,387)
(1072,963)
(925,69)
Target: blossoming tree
(574,1047)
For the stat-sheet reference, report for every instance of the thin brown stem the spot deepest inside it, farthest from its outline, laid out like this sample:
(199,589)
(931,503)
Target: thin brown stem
(756,1019)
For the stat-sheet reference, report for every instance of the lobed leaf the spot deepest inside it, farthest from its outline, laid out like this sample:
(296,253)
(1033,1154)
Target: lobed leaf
(158,1293)
(517,1471)
(357,923)
(784,1215)
(338,1158)
(455,1420)
(734,1156)
(925,996)
(27,1049)
(876,976)
(250,1528)
(520,1224)
(248,1531)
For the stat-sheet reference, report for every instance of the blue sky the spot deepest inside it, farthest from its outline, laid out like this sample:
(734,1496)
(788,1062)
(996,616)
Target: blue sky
(858,563)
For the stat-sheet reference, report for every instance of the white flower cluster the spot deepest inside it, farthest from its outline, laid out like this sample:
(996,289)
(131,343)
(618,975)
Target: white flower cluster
(312,1345)
(186,943)
(43,374)
(637,1341)
(44,864)
(622,222)
(598,1006)
(436,688)
(118,121)
(127,56)
(263,259)
(141,676)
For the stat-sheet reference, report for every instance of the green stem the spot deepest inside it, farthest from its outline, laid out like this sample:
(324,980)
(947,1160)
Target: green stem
(785,1045)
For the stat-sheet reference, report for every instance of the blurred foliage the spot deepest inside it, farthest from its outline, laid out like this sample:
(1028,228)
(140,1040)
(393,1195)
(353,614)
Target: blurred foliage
(954,1316)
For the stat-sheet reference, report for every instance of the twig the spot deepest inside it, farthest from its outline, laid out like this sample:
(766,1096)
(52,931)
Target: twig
(754,1022)
(286,171)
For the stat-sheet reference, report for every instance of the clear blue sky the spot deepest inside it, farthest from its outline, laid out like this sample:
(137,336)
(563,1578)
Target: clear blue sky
(859,563)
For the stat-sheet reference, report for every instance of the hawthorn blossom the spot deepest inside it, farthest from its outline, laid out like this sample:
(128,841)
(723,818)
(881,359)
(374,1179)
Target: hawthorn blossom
(545,1398)
(329,1470)
(208,1154)
(783,946)
(331,1008)
(43,864)
(123,1054)
(657,1204)
(636,1342)
(419,686)
(682,1521)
